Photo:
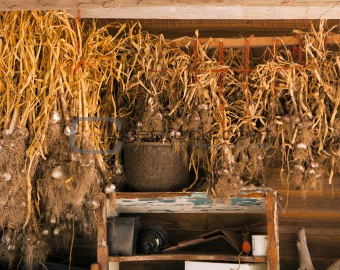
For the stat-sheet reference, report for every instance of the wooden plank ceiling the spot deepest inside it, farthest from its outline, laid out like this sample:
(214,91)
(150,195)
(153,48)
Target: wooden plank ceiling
(186,9)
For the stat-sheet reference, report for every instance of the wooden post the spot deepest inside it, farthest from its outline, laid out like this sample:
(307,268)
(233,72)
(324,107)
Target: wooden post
(102,248)
(273,236)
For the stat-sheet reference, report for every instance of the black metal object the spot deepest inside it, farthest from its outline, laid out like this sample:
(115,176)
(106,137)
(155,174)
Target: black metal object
(153,239)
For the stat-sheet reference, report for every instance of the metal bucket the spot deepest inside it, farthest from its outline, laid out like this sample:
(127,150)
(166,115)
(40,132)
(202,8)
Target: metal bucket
(154,167)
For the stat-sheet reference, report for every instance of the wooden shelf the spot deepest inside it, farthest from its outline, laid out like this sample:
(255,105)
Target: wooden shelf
(249,200)
(188,256)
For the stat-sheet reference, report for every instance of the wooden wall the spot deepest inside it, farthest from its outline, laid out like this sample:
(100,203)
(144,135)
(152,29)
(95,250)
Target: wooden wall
(319,213)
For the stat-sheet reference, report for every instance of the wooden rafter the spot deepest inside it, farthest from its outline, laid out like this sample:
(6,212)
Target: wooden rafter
(186,9)
(255,41)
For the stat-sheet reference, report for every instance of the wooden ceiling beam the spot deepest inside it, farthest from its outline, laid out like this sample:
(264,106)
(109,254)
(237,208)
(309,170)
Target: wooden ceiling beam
(174,28)
(253,42)
(194,12)
(186,9)
(263,24)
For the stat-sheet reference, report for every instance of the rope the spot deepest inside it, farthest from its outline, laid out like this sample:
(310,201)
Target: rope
(246,66)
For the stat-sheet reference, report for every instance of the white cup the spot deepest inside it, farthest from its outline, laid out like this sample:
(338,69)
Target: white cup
(259,245)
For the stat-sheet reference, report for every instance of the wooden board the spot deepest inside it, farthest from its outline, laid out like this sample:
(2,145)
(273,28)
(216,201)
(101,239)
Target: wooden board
(317,204)
(196,222)
(273,234)
(253,42)
(222,28)
(256,222)
(185,9)
(152,265)
(187,257)
(212,11)
(196,202)
(273,180)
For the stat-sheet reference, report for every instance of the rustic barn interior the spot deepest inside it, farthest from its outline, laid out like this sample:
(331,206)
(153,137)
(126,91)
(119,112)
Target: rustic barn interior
(65,75)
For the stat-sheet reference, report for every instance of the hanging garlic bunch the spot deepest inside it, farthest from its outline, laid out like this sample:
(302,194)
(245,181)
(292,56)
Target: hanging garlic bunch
(118,168)
(92,204)
(55,117)
(5,177)
(109,189)
(58,172)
